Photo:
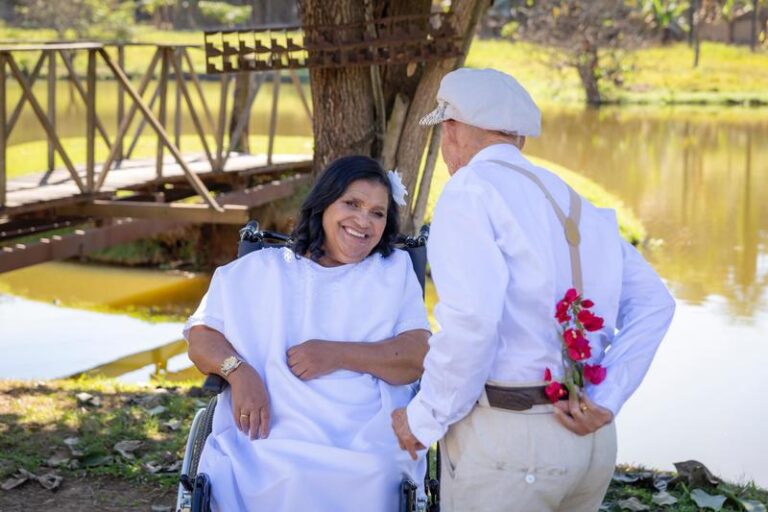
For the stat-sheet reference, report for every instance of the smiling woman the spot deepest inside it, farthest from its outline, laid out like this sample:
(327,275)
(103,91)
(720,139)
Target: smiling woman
(314,371)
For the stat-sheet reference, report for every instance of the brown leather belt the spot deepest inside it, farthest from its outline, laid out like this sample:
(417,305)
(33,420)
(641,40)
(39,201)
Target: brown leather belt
(516,399)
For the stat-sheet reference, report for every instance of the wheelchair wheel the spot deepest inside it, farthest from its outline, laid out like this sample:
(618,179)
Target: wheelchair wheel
(206,426)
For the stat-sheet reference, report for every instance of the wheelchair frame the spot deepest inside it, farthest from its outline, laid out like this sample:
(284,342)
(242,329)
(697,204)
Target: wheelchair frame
(194,490)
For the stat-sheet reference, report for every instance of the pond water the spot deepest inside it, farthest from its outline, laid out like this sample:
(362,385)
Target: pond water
(696,178)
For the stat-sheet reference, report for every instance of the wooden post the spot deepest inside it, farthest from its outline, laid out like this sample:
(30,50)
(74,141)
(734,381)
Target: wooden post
(51,103)
(120,99)
(199,88)
(753,39)
(273,116)
(17,111)
(2,130)
(221,128)
(183,91)
(177,106)
(161,117)
(90,122)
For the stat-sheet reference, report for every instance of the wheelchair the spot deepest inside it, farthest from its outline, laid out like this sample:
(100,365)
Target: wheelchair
(194,491)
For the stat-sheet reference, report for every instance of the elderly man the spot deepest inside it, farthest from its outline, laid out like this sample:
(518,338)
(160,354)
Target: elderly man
(508,239)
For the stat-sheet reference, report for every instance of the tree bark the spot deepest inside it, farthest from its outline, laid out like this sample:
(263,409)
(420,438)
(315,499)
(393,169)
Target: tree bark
(240,108)
(343,122)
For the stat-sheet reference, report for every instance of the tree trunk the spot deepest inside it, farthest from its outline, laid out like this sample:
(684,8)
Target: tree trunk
(587,65)
(343,121)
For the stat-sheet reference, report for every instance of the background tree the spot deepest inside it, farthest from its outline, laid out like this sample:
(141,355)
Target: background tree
(375,110)
(587,35)
(98,19)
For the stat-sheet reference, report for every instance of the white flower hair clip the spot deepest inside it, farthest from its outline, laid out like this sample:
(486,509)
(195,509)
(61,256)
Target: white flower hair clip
(398,189)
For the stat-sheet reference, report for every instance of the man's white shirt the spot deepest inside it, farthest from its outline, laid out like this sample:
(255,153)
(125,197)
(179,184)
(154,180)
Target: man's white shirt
(500,263)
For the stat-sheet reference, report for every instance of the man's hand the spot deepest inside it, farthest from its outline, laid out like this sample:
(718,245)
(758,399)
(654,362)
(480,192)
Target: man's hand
(315,358)
(403,432)
(250,402)
(581,415)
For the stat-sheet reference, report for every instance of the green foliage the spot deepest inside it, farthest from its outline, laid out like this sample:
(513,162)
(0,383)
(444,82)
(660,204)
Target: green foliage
(95,19)
(223,13)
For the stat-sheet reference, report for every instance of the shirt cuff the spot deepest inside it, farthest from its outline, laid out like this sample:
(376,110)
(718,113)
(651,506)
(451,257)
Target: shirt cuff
(602,397)
(423,424)
(206,320)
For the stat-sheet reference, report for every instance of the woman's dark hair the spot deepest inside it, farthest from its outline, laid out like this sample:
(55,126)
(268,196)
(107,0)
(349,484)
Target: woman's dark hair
(309,237)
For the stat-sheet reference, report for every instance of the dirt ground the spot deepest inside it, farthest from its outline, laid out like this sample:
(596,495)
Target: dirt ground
(89,494)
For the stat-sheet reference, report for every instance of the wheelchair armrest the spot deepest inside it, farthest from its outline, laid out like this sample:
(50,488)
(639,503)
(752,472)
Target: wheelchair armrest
(215,384)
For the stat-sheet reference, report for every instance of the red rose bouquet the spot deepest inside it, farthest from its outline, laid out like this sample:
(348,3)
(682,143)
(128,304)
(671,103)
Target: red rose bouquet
(575,319)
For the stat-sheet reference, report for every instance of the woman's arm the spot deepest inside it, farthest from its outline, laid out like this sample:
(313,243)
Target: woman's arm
(250,402)
(396,360)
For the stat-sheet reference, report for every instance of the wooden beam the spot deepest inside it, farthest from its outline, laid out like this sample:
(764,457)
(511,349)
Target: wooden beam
(177,212)
(82,241)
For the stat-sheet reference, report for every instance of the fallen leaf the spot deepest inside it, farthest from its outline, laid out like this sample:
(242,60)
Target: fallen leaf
(50,481)
(694,474)
(706,500)
(153,467)
(161,508)
(58,460)
(173,468)
(633,504)
(664,498)
(126,448)
(172,424)
(83,398)
(72,443)
(13,482)
(156,411)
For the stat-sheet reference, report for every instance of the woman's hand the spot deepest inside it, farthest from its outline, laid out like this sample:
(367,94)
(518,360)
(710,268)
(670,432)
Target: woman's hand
(581,415)
(250,402)
(315,358)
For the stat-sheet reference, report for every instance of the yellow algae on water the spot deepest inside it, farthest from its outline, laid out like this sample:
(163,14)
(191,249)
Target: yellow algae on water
(107,288)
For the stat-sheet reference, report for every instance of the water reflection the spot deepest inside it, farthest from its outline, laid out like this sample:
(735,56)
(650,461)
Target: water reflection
(697,181)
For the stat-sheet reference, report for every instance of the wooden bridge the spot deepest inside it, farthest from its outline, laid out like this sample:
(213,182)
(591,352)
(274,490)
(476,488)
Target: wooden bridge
(96,205)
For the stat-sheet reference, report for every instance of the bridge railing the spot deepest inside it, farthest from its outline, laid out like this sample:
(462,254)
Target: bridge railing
(168,64)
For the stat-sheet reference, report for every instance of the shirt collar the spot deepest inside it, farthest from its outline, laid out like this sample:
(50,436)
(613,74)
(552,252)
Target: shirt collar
(500,151)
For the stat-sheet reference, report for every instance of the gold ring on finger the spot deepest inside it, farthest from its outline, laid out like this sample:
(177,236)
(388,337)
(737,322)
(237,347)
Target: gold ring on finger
(584,408)
(245,415)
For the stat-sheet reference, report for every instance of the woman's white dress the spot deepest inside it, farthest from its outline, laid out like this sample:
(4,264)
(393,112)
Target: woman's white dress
(331,445)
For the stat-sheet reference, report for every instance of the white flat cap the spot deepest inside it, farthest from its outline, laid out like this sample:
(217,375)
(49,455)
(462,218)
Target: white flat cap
(487,99)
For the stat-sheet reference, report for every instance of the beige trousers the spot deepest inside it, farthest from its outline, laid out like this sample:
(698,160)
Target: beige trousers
(499,460)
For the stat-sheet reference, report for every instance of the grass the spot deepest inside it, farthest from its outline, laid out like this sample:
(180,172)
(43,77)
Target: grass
(36,418)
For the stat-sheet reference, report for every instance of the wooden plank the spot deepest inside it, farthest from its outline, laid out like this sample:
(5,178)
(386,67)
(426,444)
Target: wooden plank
(48,46)
(81,242)
(177,212)
(120,100)
(221,128)
(20,105)
(162,110)
(199,88)
(300,91)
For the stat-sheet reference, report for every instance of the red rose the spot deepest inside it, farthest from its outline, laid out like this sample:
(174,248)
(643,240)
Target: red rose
(561,312)
(571,295)
(555,391)
(580,350)
(547,374)
(590,321)
(572,336)
(595,374)
(586,303)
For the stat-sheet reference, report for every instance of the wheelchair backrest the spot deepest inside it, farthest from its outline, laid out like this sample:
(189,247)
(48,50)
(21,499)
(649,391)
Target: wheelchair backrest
(253,239)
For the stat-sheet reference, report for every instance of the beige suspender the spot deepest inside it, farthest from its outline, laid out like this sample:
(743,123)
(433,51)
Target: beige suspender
(570,224)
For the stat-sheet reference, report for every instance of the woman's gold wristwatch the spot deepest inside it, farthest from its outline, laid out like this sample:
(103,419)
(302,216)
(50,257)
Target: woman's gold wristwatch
(229,365)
